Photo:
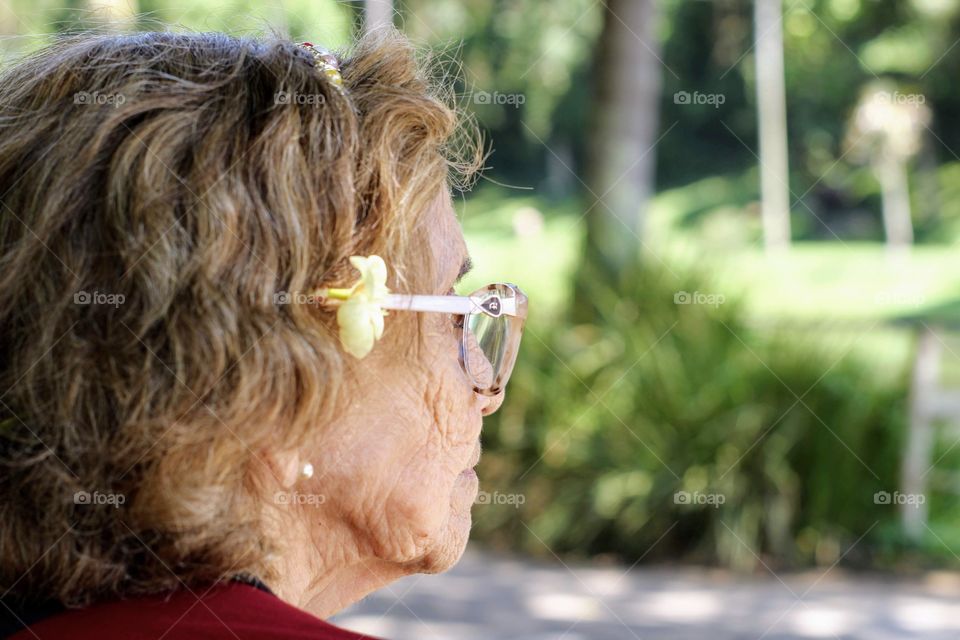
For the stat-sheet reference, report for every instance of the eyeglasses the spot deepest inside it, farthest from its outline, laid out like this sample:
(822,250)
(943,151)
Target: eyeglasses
(490,321)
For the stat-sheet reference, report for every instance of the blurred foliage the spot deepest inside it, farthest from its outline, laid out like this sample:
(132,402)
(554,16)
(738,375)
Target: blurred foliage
(607,421)
(834,48)
(33,24)
(538,57)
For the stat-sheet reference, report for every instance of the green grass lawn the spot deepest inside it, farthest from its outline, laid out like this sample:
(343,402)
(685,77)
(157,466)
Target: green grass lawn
(813,281)
(540,262)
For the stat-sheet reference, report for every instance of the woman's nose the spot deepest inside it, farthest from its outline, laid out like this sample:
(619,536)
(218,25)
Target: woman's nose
(492,403)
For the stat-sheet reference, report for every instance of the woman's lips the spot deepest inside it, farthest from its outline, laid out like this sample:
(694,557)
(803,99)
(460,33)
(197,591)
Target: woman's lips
(474,461)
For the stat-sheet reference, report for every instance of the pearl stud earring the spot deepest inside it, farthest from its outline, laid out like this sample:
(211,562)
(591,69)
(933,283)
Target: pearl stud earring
(306,472)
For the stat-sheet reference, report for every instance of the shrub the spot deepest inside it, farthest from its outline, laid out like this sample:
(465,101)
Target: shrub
(669,430)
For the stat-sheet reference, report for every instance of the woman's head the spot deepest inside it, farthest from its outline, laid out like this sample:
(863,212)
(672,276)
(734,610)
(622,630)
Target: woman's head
(164,199)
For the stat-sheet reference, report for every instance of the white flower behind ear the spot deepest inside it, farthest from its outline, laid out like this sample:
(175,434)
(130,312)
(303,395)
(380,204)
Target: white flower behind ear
(360,317)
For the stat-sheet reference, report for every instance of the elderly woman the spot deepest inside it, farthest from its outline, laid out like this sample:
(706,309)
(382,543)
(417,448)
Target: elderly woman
(238,389)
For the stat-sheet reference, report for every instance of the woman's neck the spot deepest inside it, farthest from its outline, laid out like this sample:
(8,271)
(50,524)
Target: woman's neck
(324,576)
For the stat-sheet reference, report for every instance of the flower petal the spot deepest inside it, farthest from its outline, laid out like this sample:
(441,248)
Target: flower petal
(376,280)
(373,276)
(360,317)
(376,318)
(357,330)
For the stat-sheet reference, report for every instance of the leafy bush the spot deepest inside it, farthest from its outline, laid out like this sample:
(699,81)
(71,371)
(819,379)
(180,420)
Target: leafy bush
(778,444)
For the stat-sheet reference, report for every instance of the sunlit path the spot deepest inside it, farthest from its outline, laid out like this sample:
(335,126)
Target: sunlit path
(493,597)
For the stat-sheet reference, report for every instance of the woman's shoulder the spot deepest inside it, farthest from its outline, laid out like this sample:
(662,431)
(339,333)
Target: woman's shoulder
(231,610)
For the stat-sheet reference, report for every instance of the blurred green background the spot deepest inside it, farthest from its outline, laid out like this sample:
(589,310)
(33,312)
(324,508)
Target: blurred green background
(675,346)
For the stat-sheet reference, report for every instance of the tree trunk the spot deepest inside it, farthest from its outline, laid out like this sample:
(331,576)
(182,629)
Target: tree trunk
(377,14)
(891,172)
(118,14)
(9,25)
(772,119)
(623,131)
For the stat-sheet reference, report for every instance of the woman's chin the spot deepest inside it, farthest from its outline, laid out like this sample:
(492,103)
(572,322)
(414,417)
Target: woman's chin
(450,549)
(452,542)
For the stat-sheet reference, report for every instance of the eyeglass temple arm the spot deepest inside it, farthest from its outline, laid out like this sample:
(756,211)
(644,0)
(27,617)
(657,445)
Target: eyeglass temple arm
(444,304)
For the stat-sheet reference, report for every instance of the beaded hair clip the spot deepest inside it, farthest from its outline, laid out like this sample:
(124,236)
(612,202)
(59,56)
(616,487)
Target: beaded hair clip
(327,63)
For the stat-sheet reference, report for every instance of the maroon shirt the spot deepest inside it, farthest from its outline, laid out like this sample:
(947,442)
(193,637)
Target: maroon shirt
(230,611)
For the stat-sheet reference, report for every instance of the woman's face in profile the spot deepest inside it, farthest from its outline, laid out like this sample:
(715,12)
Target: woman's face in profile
(398,466)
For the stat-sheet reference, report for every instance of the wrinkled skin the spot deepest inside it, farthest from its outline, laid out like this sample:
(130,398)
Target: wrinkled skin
(394,473)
